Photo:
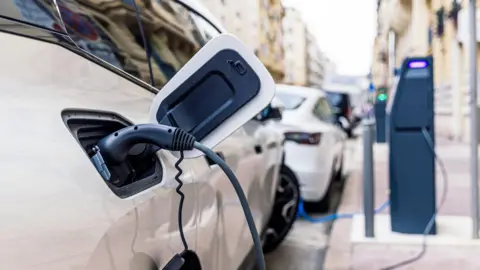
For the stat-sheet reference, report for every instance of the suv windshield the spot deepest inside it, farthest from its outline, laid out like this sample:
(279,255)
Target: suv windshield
(291,101)
(108,30)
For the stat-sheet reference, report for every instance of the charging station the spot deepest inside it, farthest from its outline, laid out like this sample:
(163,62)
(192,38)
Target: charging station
(410,110)
(380,115)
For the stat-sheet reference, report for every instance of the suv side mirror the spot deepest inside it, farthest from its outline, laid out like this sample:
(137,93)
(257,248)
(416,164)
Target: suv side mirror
(273,111)
(276,114)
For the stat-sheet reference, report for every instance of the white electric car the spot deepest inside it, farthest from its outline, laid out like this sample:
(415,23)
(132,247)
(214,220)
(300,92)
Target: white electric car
(314,142)
(74,73)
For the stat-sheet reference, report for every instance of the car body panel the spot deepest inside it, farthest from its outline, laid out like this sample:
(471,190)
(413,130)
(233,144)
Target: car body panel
(313,165)
(58,212)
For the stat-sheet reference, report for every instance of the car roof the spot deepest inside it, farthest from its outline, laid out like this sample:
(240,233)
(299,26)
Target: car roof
(300,90)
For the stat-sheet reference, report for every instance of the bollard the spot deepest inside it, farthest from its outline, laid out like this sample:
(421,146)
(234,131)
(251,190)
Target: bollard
(368,177)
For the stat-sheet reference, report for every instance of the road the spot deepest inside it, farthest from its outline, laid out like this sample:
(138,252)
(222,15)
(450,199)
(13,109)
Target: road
(305,246)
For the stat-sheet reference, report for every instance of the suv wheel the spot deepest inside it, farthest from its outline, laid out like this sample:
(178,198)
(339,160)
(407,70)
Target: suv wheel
(284,211)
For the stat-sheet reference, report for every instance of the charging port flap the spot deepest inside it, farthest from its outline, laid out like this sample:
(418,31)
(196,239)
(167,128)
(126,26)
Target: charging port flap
(212,94)
(223,86)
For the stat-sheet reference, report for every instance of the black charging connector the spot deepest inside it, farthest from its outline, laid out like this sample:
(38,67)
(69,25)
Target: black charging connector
(175,263)
(115,147)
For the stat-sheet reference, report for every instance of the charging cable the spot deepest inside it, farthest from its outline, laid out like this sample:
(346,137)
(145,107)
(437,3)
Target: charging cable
(303,214)
(429,226)
(114,150)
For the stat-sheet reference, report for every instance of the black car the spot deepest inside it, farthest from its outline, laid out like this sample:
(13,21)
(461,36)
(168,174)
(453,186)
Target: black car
(342,104)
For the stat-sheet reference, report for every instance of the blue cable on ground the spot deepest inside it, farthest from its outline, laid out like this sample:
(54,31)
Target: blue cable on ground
(303,214)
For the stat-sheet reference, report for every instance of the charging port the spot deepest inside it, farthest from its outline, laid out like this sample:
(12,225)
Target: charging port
(139,171)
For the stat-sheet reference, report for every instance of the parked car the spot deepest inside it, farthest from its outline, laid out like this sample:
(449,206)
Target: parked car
(314,143)
(65,89)
(342,108)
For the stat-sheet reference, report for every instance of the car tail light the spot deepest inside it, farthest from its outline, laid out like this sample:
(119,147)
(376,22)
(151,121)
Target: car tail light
(303,137)
(348,112)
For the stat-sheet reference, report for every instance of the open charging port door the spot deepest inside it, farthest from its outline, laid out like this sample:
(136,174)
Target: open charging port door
(221,88)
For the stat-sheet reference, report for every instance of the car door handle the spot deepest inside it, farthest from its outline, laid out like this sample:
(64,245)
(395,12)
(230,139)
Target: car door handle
(258,149)
(211,162)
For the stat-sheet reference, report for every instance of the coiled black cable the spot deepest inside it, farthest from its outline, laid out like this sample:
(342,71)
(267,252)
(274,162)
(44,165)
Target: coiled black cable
(182,198)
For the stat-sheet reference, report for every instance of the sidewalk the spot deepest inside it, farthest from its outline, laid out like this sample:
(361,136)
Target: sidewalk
(346,250)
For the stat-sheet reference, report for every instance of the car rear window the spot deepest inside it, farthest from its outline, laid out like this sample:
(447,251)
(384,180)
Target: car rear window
(291,101)
(337,99)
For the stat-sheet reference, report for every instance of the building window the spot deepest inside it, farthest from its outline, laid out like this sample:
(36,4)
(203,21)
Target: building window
(237,14)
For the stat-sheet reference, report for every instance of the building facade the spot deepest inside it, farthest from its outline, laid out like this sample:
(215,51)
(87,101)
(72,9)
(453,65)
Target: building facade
(330,68)
(315,62)
(428,27)
(271,51)
(258,23)
(305,63)
(295,47)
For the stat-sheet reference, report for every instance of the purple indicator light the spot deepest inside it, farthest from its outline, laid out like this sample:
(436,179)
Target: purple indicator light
(417,64)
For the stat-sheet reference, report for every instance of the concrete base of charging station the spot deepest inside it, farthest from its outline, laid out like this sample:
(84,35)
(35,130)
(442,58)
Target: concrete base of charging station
(451,231)
(451,248)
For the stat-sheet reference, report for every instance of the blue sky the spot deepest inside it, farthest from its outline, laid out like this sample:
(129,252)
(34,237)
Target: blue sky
(345,30)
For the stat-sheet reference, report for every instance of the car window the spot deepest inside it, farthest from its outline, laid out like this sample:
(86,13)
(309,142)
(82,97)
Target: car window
(109,31)
(322,110)
(291,101)
(337,99)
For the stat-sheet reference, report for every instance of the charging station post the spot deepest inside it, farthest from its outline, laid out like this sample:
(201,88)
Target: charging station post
(380,115)
(368,176)
(411,159)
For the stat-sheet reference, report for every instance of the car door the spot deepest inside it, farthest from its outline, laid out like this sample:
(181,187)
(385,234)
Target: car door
(268,145)
(322,112)
(339,134)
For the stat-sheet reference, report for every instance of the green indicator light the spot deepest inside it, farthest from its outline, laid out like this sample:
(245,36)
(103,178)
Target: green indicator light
(382,97)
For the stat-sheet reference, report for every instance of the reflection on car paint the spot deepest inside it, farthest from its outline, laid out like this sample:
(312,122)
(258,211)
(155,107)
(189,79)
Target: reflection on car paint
(82,29)
(35,13)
